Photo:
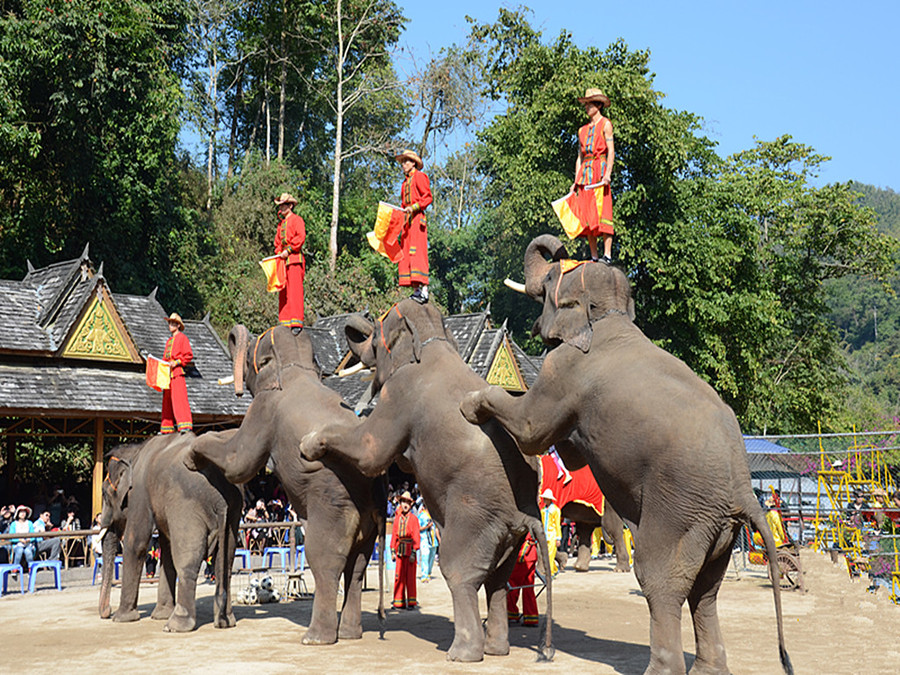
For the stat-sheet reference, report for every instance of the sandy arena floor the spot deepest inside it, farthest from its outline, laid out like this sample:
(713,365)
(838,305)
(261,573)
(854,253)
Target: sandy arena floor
(600,626)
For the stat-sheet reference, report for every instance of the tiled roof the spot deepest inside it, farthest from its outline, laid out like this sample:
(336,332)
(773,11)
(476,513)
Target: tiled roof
(485,348)
(352,388)
(529,366)
(466,330)
(328,350)
(18,316)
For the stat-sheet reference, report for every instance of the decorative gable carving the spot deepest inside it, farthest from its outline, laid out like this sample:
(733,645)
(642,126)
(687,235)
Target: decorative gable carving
(504,371)
(100,333)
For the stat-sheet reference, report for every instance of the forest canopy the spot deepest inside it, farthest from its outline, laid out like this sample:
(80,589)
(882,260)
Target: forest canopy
(745,266)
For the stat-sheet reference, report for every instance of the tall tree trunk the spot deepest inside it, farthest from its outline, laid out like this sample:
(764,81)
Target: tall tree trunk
(238,104)
(215,125)
(338,143)
(282,82)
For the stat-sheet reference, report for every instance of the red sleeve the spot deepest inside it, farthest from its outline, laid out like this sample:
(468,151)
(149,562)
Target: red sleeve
(423,190)
(395,540)
(414,531)
(181,350)
(278,238)
(296,232)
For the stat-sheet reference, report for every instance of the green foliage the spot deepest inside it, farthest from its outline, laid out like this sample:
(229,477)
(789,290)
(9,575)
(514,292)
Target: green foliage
(40,460)
(89,126)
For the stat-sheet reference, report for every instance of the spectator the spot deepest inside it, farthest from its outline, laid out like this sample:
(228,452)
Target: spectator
(52,547)
(7,515)
(22,548)
(57,500)
(856,507)
(429,539)
(71,521)
(96,541)
(257,514)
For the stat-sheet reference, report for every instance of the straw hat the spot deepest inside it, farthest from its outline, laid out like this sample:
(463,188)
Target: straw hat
(175,317)
(595,95)
(409,154)
(285,198)
(548,494)
(26,509)
(406,497)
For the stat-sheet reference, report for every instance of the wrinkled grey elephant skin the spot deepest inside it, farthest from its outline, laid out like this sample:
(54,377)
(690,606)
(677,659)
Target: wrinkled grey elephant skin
(479,489)
(666,451)
(344,510)
(586,521)
(197,515)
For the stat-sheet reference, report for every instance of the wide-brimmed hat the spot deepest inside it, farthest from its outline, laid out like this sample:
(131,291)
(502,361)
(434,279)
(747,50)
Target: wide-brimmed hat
(410,154)
(175,317)
(285,198)
(770,502)
(406,497)
(595,95)
(548,494)
(26,509)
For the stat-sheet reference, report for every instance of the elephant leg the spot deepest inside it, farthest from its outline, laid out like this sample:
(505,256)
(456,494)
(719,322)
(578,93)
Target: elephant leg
(614,531)
(133,555)
(165,592)
(351,612)
(665,583)
(224,614)
(702,601)
(187,561)
(327,563)
(465,572)
(496,642)
(584,531)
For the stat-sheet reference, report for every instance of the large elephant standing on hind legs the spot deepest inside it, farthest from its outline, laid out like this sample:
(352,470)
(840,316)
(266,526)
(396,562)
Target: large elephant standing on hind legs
(478,487)
(664,448)
(343,508)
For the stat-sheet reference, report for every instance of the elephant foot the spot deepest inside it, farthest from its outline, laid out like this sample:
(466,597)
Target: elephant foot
(350,632)
(162,612)
(708,669)
(496,647)
(227,621)
(126,616)
(623,568)
(180,622)
(316,636)
(581,568)
(465,653)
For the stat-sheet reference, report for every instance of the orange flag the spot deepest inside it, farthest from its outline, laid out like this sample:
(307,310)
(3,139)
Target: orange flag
(158,373)
(388,224)
(580,211)
(276,272)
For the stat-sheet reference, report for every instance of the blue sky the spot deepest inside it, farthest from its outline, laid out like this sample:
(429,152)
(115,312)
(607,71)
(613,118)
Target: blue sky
(824,72)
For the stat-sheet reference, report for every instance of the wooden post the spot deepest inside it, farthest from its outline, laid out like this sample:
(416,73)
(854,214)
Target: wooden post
(10,465)
(97,500)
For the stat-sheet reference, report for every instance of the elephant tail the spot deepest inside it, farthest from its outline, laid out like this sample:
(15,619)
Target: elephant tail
(536,528)
(759,522)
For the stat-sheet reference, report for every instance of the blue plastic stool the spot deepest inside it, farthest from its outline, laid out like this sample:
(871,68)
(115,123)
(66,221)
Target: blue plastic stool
(244,555)
(6,570)
(54,565)
(301,555)
(98,563)
(271,551)
(374,556)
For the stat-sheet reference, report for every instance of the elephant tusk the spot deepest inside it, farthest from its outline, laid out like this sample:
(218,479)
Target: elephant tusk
(226,380)
(103,531)
(515,285)
(344,372)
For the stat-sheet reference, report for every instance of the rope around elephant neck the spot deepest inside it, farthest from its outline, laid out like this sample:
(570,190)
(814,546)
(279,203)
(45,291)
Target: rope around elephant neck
(609,312)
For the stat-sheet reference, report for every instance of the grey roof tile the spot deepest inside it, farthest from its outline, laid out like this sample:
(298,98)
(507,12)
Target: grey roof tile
(18,316)
(466,329)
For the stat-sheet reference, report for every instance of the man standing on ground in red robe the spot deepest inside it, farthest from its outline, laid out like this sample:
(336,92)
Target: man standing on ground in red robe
(415,197)
(289,240)
(522,578)
(404,544)
(175,406)
(596,153)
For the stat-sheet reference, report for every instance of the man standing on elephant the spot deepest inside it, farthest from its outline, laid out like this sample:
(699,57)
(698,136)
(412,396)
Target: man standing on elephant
(404,544)
(415,197)
(289,239)
(176,410)
(552,519)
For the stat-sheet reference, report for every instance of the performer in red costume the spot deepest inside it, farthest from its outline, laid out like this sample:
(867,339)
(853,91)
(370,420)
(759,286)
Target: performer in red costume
(289,240)
(404,544)
(415,197)
(522,578)
(175,406)
(594,167)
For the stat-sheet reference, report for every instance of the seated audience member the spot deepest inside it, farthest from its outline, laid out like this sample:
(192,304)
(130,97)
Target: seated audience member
(257,514)
(52,547)
(22,548)
(96,541)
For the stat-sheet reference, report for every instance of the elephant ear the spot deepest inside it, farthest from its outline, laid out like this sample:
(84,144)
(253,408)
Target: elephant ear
(120,478)
(416,340)
(359,332)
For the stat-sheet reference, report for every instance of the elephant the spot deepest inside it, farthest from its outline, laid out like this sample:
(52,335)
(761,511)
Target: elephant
(197,515)
(665,449)
(344,509)
(480,491)
(581,501)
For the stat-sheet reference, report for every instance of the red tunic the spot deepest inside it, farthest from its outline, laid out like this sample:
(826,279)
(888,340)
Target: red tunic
(175,406)
(593,165)
(290,237)
(522,579)
(413,267)
(404,544)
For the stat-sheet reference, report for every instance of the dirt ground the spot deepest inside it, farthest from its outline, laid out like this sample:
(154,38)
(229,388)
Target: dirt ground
(600,626)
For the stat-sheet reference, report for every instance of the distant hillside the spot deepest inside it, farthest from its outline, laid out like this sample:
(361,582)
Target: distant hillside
(867,320)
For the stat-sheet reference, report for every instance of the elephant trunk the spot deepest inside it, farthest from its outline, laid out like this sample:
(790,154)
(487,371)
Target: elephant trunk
(536,265)
(238,340)
(110,545)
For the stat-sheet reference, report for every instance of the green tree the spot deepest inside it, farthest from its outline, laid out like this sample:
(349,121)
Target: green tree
(90,103)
